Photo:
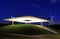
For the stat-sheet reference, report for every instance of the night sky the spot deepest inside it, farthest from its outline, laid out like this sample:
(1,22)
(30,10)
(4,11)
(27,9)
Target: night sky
(38,8)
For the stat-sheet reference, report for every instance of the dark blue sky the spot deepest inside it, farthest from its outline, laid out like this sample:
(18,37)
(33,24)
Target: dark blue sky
(39,8)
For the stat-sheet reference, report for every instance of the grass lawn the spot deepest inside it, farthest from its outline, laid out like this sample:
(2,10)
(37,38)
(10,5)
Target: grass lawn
(28,29)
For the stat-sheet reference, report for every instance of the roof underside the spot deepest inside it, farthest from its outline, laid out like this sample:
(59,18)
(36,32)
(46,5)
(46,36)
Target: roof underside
(27,19)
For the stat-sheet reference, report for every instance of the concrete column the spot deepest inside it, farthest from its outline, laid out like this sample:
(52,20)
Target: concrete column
(12,22)
(41,23)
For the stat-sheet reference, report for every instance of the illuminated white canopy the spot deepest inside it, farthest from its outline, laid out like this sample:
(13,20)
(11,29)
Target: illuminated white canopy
(27,19)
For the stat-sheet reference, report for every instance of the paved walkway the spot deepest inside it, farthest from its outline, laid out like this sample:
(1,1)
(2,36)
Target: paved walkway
(47,29)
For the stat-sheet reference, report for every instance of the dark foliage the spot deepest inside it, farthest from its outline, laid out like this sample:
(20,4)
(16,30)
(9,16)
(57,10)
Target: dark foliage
(56,26)
(3,24)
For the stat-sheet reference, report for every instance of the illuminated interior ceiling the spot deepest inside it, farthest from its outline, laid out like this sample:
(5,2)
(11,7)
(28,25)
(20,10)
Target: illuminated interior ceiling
(27,19)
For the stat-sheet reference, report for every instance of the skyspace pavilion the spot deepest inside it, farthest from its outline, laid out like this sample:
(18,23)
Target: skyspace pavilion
(27,19)
(30,19)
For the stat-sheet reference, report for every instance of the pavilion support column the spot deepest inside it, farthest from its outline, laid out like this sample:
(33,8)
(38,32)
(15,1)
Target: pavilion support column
(41,23)
(12,22)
